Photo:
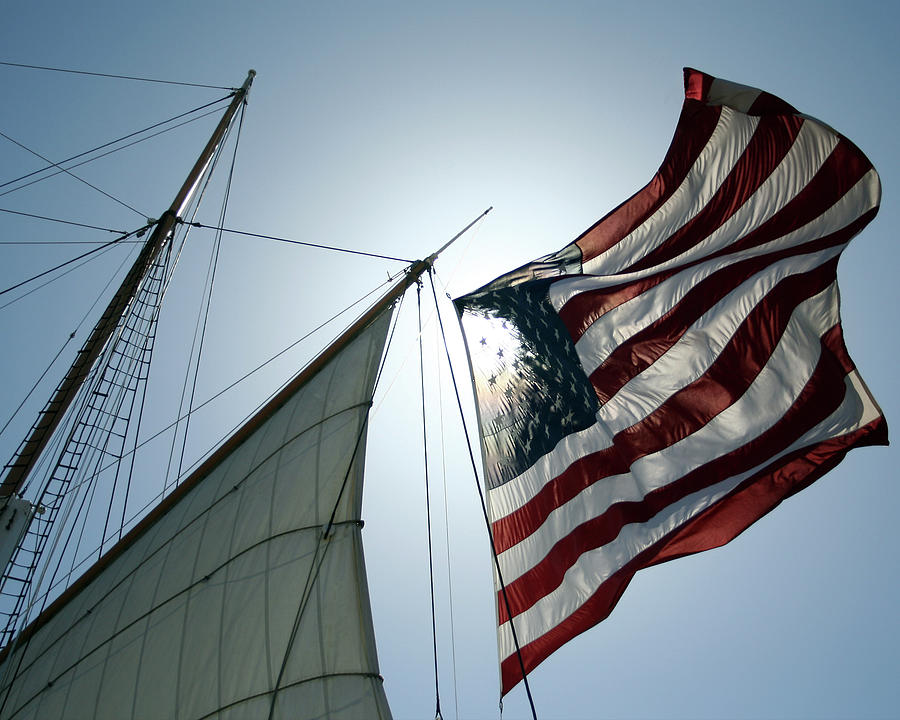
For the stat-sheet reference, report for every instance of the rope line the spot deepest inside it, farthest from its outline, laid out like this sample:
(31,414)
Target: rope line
(484,508)
(103,155)
(241,379)
(319,560)
(75,259)
(302,242)
(73,175)
(64,242)
(117,77)
(437,690)
(65,344)
(206,289)
(214,264)
(121,139)
(50,219)
(440,414)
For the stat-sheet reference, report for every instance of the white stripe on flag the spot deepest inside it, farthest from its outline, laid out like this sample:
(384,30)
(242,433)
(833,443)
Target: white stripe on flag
(623,410)
(725,148)
(596,566)
(769,397)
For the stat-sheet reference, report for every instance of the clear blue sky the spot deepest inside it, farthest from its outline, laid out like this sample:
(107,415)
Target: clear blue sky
(387,127)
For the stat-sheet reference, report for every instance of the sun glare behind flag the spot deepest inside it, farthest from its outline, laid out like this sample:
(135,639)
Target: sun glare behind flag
(658,385)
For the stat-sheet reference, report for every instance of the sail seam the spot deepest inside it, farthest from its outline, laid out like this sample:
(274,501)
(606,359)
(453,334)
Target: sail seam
(325,676)
(148,613)
(318,561)
(187,526)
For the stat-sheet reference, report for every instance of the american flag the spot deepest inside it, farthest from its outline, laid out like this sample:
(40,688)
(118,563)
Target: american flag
(661,383)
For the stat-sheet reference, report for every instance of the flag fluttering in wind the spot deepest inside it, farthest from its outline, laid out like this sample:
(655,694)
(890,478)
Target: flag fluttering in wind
(658,385)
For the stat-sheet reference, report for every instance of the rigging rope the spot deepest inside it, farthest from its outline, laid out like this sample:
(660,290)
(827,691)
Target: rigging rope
(50,219)
(208,285)
(73,175)
(302,242)
(440,398)
(118,140)
(72,269)
(318,560)
(102,155)
(437,690)
(69,339)
(155,500)
(75,259)
(214,262)
(117,77)
(484,508)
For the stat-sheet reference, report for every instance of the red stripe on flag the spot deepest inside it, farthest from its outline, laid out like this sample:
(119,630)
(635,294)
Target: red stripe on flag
(816,402)
(843,169)
(768,104)
(687,411)
(771,141)
(821,396)
(722,522)
(697,85)
(644,348)
(583,309)
(745,505)
(695,126)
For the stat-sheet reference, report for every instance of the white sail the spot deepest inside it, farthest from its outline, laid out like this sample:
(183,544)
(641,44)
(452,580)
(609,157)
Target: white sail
(244,595)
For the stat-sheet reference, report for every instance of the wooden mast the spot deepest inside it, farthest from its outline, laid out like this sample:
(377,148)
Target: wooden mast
(29,452)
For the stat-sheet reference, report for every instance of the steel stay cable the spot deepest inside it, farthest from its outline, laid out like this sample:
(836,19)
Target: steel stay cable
(66,272)
(207,289)
(60,171)
(61,242)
